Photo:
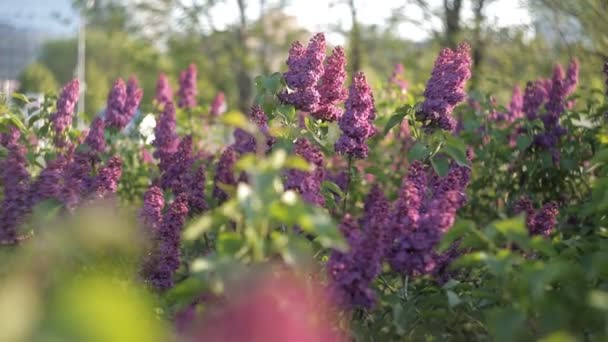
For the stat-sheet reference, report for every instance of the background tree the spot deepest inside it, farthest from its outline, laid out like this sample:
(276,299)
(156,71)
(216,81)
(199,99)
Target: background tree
(37,78)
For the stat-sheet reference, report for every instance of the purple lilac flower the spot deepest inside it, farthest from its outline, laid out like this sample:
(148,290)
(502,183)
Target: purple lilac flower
(308,184)
(106,181)
(164,258)
(15,203)
(123,102)
(397,78)
(331,87)
(545,219)
(357,123)
(516,106)
(187,87)
(572,74)
(557,97)
(49,183)
(164,94)
(77,179)
(165,138)
(95,139)
(425,210)
(196,191)
(375,224)
(218,106)
(62,118)
(445,88)
(305,67)
(352,273)
(11,137)
(179,168)
(151,214)
(555,106)
(539,222)
(348,285)
(224,174)
(244,142)
(534,95)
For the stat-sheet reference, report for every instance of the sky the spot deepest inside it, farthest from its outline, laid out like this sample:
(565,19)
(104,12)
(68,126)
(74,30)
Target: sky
(314,15)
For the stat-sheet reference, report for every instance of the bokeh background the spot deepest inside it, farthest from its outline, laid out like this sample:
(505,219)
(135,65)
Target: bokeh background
(48,42)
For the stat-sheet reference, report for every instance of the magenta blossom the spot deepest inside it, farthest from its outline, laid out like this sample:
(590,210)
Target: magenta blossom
(446,87)
(357,123)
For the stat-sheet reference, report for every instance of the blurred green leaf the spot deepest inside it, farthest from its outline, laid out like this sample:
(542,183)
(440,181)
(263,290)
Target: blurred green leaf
(229,243)
(440,165)
(418,152)
(393,121)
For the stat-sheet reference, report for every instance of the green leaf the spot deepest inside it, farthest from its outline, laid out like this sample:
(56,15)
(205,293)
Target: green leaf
(418,152)
(506,324)
(453,299)
(393,121)
(459,156)
(288,111)
(272,83)
(523,142)
(460,229)
(440,165)
(236,119)
(229,243)
(16,121)
(513,229)
(20,97)
(333,187)
(198,227)
(297,163)
(598,299)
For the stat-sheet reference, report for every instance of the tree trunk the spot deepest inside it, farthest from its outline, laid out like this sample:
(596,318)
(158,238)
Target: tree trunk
(355,40)
(452,21)
(478,41)
(242,76)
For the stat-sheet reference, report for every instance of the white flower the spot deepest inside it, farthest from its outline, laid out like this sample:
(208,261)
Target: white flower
(146,128)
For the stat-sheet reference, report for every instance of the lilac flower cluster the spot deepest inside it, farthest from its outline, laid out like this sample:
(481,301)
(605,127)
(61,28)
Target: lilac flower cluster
(308,184)
(425,210)
(123,102)
(62,118)
(305,69)
(357,123)
(397,78)
(244,142)
(218,105)
(163,260)
(95,138)
(180,175)
(106,181)
(11,137)
(15,203)
(352,273)
(445,89)
(164,94)
(516,106)
(151,214)
(561,87)
(75,175)
(538,222)
(534,96)
(224,174)
(79,181)
(331,87)
(165,137)
(187,87)
(49,183)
